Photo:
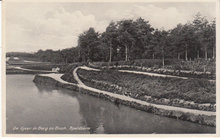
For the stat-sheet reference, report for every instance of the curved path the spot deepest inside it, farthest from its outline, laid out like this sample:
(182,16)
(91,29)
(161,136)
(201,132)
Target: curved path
(158,75)
(57,77)
(126,98)
(46,71)
(152,74)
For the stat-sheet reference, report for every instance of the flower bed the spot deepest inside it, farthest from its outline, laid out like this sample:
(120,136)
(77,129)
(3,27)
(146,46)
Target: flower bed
(181,73)
(198,68)
(205,119)
(194,93)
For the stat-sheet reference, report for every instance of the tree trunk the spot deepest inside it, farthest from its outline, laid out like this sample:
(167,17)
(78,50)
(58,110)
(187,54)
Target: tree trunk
(186,54)
(213,53)
(79,55)
(206,53)
(84,58)
(163,58)
(178,56)
(197,53)
(110,55)
(126,53)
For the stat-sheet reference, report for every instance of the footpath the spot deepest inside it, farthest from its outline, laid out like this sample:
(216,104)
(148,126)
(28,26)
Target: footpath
(193,115)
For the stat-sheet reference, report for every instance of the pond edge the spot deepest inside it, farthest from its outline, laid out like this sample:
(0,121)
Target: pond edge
(186,116)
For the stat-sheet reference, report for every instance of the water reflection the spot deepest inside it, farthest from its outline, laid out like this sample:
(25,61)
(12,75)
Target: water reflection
(29,106)
(34,105)
(104,117)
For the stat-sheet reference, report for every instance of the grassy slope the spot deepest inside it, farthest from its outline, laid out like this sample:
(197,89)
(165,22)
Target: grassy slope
(175,64)
(197,90)
(68,72)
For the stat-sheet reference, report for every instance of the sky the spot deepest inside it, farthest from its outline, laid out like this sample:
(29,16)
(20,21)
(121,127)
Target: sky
(34,26)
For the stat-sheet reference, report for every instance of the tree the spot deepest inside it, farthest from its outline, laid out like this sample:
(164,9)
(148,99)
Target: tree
(213,37)
(136,39)
(143,36)
(69,55)
(87,42)
(183,40)
(201,30)
(64,54)
(110,37)
(126,32)
(176,40)
(161,43)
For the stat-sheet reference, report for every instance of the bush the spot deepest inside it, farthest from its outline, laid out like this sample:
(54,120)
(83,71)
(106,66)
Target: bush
(68,72)
(69,67)
(196,65)
(68,77)
(175,64)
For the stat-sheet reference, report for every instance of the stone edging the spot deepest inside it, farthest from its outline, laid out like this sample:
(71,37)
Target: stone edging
(162,101)
(209,120)
(178,73)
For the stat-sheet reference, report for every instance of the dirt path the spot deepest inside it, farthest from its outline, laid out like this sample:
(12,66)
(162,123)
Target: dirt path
(32,62)
(47,71)
(88,68)
(152,74)
(158,75)
(148,74)
(56,77)
(126,98)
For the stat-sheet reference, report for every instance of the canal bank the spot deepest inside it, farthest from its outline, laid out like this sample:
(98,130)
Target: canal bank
(196,116)
(31,105)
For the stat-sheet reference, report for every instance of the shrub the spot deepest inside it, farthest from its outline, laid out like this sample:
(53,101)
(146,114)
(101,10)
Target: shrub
(175,64)
(68,72)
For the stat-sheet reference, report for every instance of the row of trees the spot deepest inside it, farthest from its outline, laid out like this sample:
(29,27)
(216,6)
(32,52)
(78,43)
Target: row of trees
(68,55)
(137,39)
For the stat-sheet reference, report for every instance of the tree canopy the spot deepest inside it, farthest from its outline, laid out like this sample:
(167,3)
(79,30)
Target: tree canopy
(126,40)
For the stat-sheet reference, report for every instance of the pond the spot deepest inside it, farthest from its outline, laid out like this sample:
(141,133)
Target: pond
(39,109)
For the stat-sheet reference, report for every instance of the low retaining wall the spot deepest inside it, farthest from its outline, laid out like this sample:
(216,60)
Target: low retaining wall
(163,101)
(201,119)
(50,81)
(180,73)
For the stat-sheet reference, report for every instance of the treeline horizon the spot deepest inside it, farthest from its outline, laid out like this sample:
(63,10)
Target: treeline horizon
(127,40)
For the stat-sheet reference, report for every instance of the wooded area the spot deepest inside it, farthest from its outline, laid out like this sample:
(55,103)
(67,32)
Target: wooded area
(128,40)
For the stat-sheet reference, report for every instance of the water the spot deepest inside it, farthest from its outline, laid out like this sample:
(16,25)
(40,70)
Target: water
(38,109)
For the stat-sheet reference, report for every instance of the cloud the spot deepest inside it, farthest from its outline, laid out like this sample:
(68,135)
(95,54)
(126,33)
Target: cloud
(166,18)
(30,27)
(49,29)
